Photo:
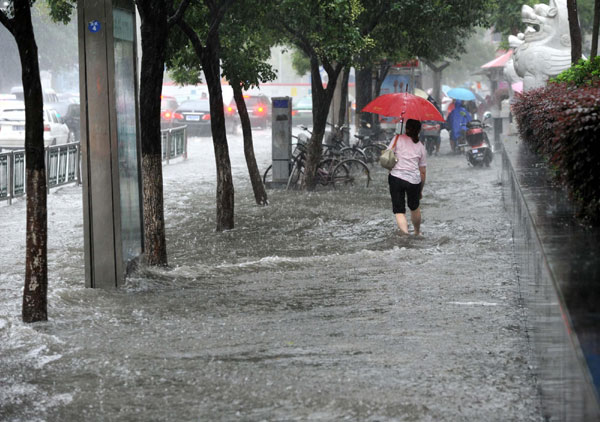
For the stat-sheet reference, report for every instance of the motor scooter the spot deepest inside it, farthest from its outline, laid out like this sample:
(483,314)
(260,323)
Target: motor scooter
(430,135)
(479,151)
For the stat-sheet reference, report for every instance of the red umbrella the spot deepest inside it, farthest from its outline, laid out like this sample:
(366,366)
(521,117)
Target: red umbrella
(405,106)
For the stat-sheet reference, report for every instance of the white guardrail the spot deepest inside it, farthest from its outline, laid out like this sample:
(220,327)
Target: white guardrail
(63,163)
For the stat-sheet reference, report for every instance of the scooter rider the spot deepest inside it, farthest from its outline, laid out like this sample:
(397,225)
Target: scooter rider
(457,122)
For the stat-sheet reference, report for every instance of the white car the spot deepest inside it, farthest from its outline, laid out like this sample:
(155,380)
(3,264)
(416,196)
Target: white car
(12,126)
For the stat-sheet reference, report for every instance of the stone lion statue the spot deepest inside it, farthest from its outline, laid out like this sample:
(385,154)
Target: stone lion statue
(544,50)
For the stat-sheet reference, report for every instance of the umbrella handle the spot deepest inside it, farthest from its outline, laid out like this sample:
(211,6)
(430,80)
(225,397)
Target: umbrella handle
(402,122)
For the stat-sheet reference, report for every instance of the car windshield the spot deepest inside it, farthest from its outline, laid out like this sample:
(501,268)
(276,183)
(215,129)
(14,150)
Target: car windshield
(195,105)
(13,115)
(252,101)
(168,104)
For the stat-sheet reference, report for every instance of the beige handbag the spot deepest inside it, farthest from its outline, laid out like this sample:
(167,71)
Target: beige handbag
(388,159)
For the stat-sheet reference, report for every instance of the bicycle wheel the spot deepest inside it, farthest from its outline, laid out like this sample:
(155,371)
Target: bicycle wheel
(325,170)
(268,175)
(372,153)
(351,173)
(296,176)
(353,152)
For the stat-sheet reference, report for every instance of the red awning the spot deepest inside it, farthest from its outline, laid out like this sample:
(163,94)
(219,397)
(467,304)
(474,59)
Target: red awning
(499,61)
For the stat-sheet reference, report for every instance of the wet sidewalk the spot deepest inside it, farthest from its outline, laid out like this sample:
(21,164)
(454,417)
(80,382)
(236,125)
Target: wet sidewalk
(557,258)
(312,308)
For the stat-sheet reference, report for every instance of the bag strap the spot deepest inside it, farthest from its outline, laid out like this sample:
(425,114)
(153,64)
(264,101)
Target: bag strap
(395,140)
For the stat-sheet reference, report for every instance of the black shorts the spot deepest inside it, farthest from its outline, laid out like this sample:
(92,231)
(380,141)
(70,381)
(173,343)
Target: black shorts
(400,188)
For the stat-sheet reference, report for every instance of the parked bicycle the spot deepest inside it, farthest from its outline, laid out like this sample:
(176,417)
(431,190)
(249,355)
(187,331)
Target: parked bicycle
(340,173)
(334,169)
(336,146)
(299,153)
(371,149)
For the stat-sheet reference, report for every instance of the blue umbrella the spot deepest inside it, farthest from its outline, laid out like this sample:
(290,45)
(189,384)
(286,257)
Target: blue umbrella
(461,94)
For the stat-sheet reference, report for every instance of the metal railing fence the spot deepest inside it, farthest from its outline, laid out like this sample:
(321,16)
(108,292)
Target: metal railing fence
(174,143)
(62,167)
(63,163)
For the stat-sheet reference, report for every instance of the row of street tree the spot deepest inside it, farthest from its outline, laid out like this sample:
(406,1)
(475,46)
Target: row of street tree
(209,39)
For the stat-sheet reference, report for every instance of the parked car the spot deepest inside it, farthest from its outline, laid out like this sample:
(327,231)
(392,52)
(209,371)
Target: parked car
(72,119)
(302,111)
(259,111)
(168,105)
(196,115)
(50,96)
(12,127)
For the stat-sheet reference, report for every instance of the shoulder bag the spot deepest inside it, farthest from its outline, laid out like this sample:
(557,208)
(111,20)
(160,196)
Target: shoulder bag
(388,159)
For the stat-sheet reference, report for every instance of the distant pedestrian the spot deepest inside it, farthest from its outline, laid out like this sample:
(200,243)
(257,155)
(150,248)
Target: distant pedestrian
(407,178)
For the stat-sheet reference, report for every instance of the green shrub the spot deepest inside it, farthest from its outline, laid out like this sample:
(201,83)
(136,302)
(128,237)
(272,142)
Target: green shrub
(585,72)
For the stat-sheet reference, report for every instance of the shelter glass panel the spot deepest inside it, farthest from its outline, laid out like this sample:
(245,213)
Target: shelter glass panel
(131,223)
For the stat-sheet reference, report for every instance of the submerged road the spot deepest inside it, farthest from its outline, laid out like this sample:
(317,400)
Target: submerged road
(312,308)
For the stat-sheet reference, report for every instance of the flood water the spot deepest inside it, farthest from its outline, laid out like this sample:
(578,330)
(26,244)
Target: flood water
(312,308)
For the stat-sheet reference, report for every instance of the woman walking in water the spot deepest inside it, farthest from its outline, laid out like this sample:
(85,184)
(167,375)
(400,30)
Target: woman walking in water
(407,178)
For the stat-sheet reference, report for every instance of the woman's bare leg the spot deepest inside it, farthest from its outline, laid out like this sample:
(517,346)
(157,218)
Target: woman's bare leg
(415,217)
(402,223)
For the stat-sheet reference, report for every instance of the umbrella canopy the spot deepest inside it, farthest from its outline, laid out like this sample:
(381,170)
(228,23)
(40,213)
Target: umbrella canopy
(405,106)
(461,94)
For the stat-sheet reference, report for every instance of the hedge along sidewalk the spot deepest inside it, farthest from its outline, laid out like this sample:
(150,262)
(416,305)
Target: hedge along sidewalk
(559,276)
(562,123)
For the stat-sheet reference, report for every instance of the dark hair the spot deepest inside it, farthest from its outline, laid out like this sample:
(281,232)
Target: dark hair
(414,127)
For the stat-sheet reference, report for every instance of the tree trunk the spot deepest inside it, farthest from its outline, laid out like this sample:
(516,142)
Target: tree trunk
(437,79)
(225,193)
(384,69)
(260,194)
(154,32)
(35,298)
(343,111)
(594,51)
(321,100)
(574,30)
(364,88)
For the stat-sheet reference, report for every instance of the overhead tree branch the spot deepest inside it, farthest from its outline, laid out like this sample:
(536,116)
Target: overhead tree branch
(301,40)
(7,22)
(327,66)
(193,37)
(218,15)
(174,18)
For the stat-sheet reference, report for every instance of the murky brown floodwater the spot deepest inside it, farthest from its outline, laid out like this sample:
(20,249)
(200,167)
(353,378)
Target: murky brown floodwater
(310,309)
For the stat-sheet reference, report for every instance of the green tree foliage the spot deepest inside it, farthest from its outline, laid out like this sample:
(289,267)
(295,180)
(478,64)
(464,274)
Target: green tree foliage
(245,49)
(300,62)
(429,28)
(403,29)
(505,16)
